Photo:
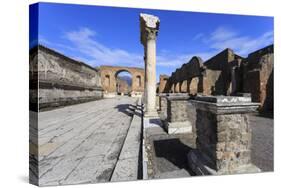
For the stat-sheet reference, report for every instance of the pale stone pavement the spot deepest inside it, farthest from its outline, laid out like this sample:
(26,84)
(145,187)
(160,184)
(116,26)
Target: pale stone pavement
(262,142)
(81,143)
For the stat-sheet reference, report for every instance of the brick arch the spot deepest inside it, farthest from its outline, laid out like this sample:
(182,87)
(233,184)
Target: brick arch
(111,72)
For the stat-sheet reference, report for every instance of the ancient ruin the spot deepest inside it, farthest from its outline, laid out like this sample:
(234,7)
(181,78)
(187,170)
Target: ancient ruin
(206,106)
(60,80)
(149,25)
(204,120)
(223,144)
(109,79)
(64,81)
(226,74)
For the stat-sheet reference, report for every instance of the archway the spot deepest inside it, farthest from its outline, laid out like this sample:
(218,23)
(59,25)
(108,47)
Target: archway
(111,86)
(123,82)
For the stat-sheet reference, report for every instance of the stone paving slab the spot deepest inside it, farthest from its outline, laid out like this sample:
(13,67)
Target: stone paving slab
(262,142)
(81,143)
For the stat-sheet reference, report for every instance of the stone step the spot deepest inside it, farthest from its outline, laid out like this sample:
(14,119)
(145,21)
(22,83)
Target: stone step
(172,174)
(127,167)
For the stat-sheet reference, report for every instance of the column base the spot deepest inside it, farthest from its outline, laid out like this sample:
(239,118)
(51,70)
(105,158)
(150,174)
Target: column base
(178,127)
(151,114)
(200,164)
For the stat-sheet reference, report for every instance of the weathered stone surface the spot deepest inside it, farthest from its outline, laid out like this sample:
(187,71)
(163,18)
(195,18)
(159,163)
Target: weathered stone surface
(81,143)
(109,78)
(163,83)
(165,154)
(258,77)
(262,153)
(225,104)
(57,80)
(226,74)
(180,114)
(149,26)
(179,127)
(127,167)
(163,105)
(223,132)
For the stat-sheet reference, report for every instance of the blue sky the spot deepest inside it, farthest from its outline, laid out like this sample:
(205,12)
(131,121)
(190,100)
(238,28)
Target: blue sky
(111,36)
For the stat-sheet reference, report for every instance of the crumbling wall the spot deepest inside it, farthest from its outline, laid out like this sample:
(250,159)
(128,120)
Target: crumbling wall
(162,83)
(227,74)
(258,77)
(61,80)
(221,79)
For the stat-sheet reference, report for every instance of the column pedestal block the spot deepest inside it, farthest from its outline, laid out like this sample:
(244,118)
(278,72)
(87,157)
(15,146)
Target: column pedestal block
(224,135)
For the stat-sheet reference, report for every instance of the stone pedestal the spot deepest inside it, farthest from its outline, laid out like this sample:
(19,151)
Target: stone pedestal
(178,114)
(223,135)
(149,28)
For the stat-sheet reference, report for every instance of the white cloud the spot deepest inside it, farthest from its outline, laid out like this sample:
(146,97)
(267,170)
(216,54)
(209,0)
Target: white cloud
(198,36)
(221,34)
(176,61)
(99,54)
(224,37)
(96,53)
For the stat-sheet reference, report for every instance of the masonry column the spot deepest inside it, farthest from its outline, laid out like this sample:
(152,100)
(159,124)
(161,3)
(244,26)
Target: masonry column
(149,28)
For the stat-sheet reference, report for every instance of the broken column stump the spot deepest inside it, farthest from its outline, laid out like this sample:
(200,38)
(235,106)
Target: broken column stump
(223,135)
(179,114)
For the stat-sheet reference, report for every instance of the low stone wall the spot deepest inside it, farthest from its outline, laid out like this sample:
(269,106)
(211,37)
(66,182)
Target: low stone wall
(56,80)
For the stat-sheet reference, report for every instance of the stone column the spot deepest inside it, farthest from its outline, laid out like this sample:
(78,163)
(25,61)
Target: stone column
(149,28)
(223,135)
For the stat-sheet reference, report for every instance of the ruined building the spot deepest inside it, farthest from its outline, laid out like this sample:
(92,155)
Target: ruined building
(57,80)
(226,74)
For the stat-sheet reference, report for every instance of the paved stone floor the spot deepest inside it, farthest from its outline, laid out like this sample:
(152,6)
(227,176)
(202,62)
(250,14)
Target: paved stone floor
(81,143)
(262,142)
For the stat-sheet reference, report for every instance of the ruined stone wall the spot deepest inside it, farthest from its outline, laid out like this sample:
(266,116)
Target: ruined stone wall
(212,82)
(221,64)
(212,77)
(162,83)
(227,74)
(258,77)
(62,80)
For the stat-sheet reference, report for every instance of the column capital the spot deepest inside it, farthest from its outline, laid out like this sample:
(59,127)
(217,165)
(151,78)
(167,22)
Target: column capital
(149,27)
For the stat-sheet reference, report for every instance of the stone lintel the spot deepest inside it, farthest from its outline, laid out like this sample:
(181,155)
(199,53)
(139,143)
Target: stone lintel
(225,104)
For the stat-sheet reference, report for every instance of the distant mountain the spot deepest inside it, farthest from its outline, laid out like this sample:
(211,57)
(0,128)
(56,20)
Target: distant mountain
(128,79)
